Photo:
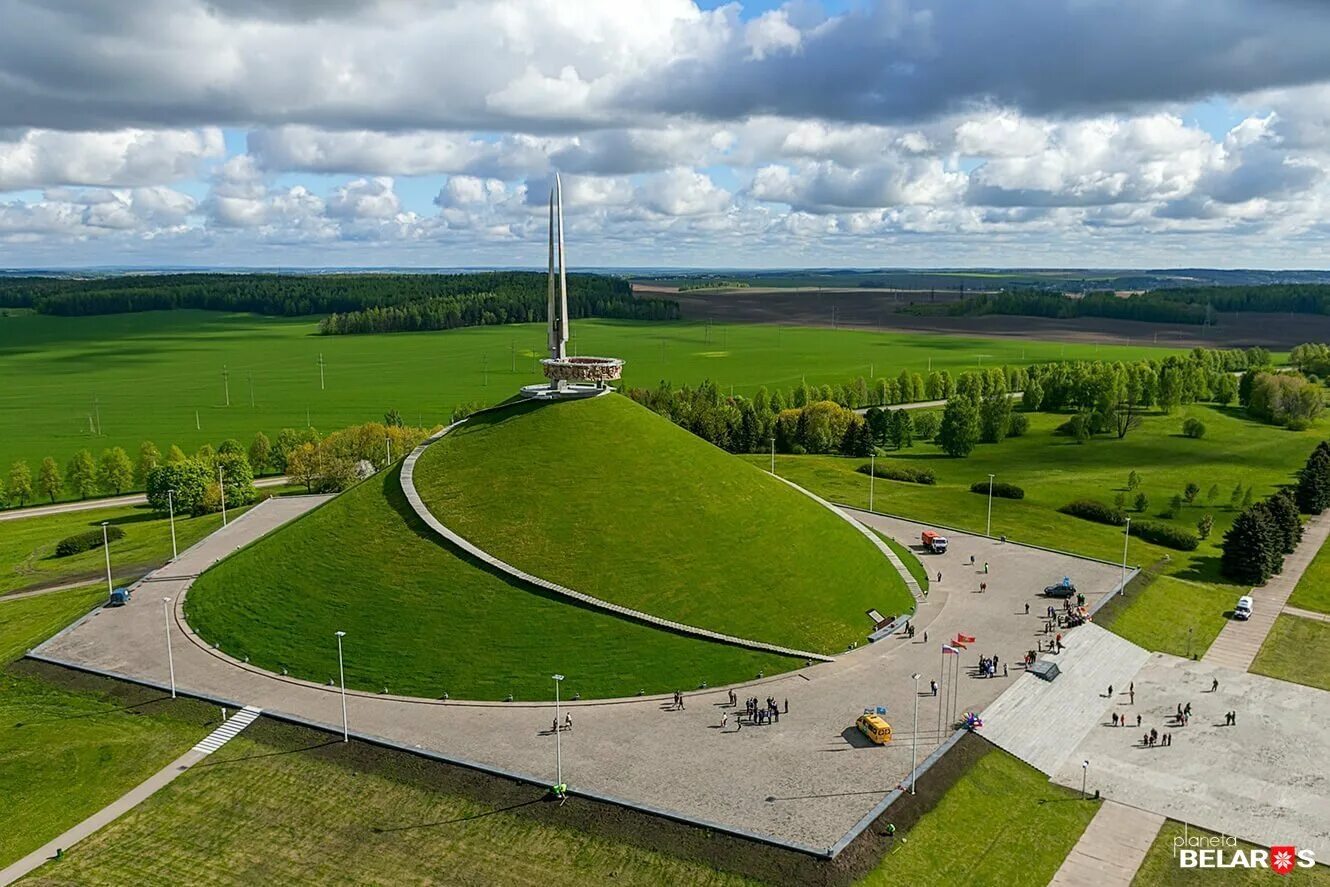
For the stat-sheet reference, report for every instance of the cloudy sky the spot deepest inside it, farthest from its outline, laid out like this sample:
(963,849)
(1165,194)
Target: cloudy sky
(1121,133)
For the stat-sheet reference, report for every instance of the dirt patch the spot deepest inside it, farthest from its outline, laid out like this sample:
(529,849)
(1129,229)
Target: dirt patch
(880,310)
(610,821)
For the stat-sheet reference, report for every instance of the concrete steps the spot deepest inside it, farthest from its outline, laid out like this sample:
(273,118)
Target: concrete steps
(1041,722)
(225,733)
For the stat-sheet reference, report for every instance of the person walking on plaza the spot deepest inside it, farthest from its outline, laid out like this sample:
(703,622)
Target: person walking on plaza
(932,685)
(787,705)
(985,568)
(568,721)
(1138,720)
(724,719)
(1027,608)
(1214,686)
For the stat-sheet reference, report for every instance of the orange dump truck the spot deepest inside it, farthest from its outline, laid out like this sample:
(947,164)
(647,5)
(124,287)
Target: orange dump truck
(934,541)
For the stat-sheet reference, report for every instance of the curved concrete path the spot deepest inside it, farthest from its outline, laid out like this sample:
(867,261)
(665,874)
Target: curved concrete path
(422,511)
(805,782)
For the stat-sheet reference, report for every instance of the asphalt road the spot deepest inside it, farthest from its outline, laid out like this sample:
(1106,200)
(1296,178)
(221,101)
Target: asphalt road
(109,502)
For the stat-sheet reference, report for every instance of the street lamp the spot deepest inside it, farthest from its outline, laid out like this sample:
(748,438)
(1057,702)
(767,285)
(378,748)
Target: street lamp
(106,547)
(988,531)
(221,486)
(773,455)
(170,662)
(872,466)
(558,751)
(170,504)
(389,442)
(914,738)
(341,673)
(1126,537)
(1085,769)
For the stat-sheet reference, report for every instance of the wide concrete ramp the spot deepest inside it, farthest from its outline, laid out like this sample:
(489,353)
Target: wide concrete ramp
(1042,722)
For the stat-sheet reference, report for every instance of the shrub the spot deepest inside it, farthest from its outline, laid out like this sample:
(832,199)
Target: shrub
(1088,509)
(1001,490)
(1018,425)
(1142,502)
(1166,535)
(81,542)
(1193,428)
(905,473)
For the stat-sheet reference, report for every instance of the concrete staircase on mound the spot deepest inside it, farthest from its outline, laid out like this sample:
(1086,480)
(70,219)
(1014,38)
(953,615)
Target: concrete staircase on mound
(225,733)
(1042,722)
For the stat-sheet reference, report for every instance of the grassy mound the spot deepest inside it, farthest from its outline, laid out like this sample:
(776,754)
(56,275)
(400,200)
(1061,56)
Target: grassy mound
(608,498)
(422,621)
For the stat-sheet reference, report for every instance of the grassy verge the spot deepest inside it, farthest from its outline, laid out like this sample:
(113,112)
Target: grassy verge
(1161,869)
(281,806)
(64,755)
(1002,822)
(909,558)
(27,545)
(608,498)
(1297,650)
(423,621)
(1313,589)
(1170,615)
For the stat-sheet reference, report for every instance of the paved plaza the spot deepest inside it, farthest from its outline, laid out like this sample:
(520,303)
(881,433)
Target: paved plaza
(805,781)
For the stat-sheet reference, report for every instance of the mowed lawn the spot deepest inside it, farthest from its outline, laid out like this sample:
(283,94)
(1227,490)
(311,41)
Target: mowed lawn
(27,545)
(64,755)
(1161,869)
(1054,470)
(281,806)
(1298,650)
(422,621)
(608,498)
(146,375)
(1002,823)
(1313,590)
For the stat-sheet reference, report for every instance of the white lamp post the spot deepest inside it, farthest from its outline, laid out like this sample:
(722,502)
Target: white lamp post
(1085,769)
(106,547)
(872,469)
(558,750)
(914,738)
(170,504)
(773,455)
(988,530)
(170,661)
(221,486)
(389,442)
(341,674)
(1126,537)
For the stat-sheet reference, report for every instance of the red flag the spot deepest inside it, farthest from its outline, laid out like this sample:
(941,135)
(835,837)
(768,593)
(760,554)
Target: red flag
(965,638)
(958,643)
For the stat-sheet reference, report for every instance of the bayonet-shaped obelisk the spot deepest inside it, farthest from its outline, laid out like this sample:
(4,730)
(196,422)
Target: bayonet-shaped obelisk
(558,298)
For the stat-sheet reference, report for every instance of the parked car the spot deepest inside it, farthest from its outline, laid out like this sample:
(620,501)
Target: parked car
(1243,609)
(1065,588)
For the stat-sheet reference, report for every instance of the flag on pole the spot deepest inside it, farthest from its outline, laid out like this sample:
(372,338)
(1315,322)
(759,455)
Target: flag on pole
(965,638)
(948,649)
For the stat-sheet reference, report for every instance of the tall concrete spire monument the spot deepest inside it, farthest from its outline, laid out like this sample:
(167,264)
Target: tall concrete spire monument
(569,377)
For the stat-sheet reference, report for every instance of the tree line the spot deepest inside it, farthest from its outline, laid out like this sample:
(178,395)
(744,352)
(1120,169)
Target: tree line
(322,463)
(451,299)
(1190,305)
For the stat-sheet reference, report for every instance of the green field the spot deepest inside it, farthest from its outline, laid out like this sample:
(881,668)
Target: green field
(605,497)
(1002,822)
(1054,470)
(364,564)
(284,806)
(27,545)
(1161,869)
(1298,650)
(146,375)
(65,755)
(1313,589)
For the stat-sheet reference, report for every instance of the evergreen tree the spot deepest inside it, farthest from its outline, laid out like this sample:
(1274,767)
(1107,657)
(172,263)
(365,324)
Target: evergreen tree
(1313,495)
(959,431)
(1133,480)
(1284,513)
(1249,548)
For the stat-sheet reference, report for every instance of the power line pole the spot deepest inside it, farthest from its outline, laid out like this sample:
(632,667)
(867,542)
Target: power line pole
(226,383)
(321,385)
(251,391)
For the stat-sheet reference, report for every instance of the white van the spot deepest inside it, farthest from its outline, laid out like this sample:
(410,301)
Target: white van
(1243,609)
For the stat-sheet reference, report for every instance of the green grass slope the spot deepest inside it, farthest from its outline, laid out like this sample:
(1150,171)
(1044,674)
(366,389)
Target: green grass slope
(605,497)
(423,621)
(64,755)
